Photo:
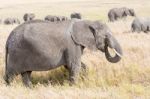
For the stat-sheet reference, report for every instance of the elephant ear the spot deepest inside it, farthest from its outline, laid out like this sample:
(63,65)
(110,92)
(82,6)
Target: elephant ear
(83,34)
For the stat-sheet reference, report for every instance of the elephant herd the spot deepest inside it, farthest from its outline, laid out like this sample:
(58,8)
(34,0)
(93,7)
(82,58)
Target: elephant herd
(138,25)
(41,45)
(31,16)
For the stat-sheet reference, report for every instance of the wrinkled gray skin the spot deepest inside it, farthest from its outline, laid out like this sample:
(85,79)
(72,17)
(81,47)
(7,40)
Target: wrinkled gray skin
(75,15)
(11,21)
(39,46)
(140,25)
(28,16)
(55,18)
(119,13)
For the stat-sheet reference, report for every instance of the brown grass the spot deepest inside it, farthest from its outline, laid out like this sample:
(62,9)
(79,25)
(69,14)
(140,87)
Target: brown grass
(128,79)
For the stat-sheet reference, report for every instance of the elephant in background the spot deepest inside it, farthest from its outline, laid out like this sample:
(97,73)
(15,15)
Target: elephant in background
(11,21)
(28,16)
(40,46)
(140,24)
(52,18)
(76,15)
(119,13)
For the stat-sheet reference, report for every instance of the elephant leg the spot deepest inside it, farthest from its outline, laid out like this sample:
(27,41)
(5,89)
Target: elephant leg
(137,29)
(112,19)
(26,78)
(73,66)
(84,70)
(8,77)
(74,73)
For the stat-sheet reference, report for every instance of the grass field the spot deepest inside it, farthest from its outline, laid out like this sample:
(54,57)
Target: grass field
(128,79)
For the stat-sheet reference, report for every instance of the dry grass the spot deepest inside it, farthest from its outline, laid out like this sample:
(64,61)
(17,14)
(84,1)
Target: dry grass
(128,79)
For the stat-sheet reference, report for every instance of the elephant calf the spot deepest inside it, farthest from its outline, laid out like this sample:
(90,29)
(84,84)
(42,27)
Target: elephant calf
(140,24)
(119,13)
(40,46)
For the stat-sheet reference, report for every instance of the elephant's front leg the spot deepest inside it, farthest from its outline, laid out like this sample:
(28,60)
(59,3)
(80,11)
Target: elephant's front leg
(73,59)
(74,70)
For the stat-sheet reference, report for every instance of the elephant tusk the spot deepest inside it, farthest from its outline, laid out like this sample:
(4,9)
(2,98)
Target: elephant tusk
(117,53)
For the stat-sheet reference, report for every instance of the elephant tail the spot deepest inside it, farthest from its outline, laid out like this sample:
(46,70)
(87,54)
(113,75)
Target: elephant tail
(6,56)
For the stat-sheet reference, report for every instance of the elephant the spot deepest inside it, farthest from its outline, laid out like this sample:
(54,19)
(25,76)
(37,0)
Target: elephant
(140,24)
(119,13)
(51,18)
(55,18)
(28,16)
(8,21)
(39,46)
(76,15)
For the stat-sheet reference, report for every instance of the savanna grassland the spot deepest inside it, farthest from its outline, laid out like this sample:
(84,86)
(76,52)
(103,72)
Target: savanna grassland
(128,79)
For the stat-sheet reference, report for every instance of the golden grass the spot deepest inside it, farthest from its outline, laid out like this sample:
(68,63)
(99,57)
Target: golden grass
(128,79)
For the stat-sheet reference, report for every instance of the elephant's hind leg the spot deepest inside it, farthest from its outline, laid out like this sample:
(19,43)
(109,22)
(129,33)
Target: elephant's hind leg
(8,77)
(26,78)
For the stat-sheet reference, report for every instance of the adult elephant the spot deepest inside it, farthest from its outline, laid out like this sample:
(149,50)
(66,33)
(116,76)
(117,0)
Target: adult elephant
(119,13)
(8,21)
(39,46)
(76,15)
(140,24)
(28,16)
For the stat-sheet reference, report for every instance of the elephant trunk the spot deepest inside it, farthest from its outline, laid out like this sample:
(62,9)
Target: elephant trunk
(113,44)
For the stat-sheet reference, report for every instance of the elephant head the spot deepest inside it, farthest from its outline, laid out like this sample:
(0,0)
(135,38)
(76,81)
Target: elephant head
(96,35)
(125,11)
(131,12)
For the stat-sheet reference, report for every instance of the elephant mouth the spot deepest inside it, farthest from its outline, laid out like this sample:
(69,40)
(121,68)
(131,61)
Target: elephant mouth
(115,58)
